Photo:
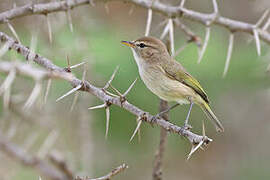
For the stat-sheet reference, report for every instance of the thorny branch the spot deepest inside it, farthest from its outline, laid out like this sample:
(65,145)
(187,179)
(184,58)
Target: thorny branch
(101,94)
(157,6)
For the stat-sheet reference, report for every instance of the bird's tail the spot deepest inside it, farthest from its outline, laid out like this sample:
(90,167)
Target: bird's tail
(207,110)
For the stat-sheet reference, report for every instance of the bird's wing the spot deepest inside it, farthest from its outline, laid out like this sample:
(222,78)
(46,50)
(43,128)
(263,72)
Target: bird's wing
(176,71)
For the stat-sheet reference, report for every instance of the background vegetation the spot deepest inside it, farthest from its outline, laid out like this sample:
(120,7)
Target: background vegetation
(241,99)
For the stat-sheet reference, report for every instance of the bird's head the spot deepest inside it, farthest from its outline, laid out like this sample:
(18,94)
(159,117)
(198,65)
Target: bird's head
(147,48)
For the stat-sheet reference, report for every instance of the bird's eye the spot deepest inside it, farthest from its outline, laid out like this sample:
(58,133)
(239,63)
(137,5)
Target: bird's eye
(141,45)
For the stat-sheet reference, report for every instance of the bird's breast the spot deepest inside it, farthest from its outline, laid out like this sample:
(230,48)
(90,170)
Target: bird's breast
(164,87)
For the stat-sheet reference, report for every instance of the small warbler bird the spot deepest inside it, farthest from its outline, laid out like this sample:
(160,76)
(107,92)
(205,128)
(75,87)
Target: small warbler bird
(167,78)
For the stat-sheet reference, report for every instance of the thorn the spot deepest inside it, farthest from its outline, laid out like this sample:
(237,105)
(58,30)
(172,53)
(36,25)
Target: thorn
(148,23)
(8,81)
(49,28)
(139,131)
(215,5)
(130,87)
(77,65)
(48,143)
(182,3)
(75,99)
(69,92)
(34,95)
(139,122)
(84,72)
(7,98)
(11,132)
(131,10)
(257,41)
(33,45)
(206,39)
(192,37)
(92,3)
(262,18)
(202,148)
(160,25)
(67,69)
(111,94)
(13,31)
(5,48)
(165,31)
(69,19)
(266,25)
(107,8)
(180,49)
(117,92)
(170,23)
(107,109)
(229,54)
(194,149)
(111,79)
(98,106)
(49,83)
(203,129)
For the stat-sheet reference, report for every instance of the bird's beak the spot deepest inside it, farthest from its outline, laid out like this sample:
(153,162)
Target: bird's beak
(128,43)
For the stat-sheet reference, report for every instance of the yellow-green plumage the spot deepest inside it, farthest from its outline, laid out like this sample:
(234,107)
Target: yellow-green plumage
(167,78)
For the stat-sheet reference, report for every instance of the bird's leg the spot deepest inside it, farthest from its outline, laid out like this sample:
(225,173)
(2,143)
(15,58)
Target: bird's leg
(161,113)
(186,125)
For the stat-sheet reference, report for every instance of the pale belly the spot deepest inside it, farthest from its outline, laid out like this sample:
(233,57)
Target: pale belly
(164,87)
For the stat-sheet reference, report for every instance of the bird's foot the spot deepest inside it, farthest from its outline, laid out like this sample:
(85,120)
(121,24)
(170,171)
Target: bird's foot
(187,126)
(154,118)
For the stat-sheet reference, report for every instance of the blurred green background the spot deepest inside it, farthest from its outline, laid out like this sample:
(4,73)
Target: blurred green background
(241,100)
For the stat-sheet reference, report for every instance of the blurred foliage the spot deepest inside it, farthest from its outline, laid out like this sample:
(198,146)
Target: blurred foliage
(99,45)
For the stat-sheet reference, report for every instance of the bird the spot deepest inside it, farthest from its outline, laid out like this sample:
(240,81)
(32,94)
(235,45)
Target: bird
(167,78)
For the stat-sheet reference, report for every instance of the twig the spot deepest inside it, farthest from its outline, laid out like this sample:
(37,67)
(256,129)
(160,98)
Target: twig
(109,176)
(49,28)
(148,23)
(206,39)
(165,31)
(49,83)
(215,5)
(257,40)
(171,34)
(229,54)
(192,36)
(157,171)
(34,95)
(56,158)
(260,21)
(13,31)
